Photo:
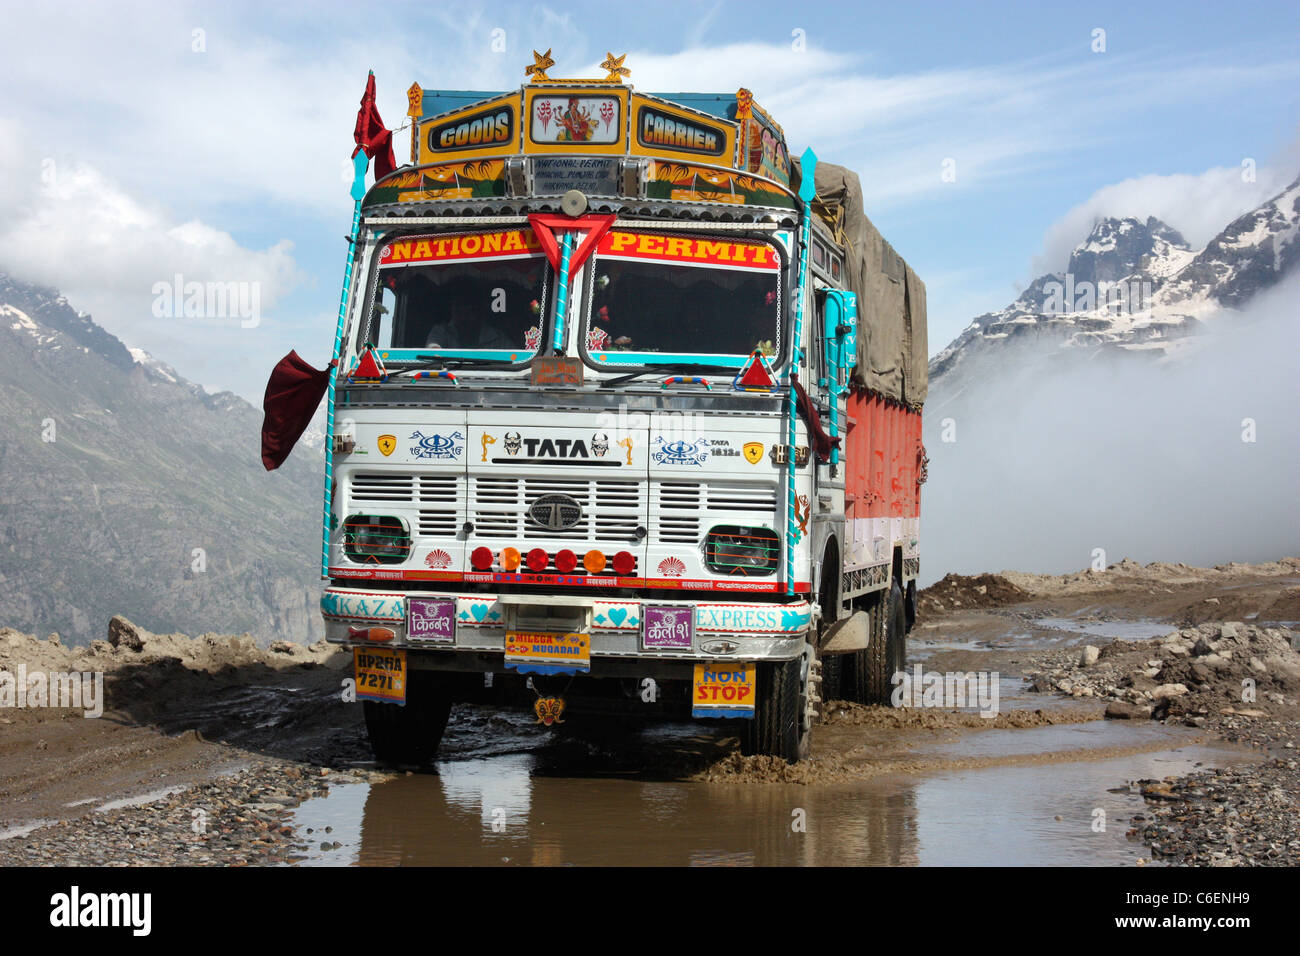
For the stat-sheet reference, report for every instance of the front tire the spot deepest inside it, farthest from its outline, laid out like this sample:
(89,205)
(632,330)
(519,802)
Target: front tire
(776,729)
(410,734)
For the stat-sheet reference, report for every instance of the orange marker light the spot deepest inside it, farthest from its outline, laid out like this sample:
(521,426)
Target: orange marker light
(510,559)
(594,561)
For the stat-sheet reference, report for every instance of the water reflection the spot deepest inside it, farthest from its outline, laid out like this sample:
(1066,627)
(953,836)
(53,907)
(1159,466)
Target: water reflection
(515,809)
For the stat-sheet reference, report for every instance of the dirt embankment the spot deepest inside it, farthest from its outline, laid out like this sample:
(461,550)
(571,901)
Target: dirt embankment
(958,591)
(208,733)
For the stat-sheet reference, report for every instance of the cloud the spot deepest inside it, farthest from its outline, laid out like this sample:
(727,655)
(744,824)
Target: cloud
(107,251)
(1199,205)
(1058,453)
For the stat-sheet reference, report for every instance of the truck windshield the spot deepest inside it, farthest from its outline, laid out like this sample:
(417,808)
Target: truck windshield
(659,298)
(476,294)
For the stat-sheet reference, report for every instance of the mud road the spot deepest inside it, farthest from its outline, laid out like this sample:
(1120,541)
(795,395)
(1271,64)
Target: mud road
(213,751)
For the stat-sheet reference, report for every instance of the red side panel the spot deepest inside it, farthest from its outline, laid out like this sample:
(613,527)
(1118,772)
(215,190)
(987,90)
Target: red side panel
(881,453)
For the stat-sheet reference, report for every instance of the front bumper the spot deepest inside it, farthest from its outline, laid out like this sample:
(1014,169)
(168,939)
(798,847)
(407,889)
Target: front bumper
(724,630)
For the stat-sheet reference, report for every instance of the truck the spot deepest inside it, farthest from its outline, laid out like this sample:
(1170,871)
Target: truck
(626,421)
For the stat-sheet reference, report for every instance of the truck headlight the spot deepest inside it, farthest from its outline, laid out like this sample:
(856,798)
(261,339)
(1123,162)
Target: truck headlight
(376,539)
(737,550)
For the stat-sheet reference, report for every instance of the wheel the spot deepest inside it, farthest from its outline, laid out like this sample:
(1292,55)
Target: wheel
(868,674)
(833,672)
(831,666)
(778,728)
(410,734)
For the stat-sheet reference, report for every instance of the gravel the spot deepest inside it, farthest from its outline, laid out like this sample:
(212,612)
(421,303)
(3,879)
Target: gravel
(238,820)
(1239,682)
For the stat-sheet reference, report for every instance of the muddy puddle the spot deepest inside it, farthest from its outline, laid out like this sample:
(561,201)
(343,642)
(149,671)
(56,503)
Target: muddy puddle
(555,808)
(1119,630)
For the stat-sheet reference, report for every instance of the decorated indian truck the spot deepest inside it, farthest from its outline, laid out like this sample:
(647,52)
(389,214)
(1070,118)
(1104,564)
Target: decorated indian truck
(624,421)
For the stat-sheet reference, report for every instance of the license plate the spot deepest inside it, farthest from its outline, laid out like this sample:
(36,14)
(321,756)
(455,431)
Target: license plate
(671,628)
(541,652)
(431,620)
(723,689)
(380,674)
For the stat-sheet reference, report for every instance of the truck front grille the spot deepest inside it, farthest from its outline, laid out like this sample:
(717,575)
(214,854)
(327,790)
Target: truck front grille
(611,510)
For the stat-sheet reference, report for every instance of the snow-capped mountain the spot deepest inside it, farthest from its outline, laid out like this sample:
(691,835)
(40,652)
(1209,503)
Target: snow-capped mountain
(1133,286)
(125,488)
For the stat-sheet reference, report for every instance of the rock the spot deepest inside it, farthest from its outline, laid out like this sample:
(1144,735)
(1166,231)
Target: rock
(1089,655)
(1165,691)
(1119,710)
(283,647)
(1228,632)
(122,633)
(1201,647)
(100,647)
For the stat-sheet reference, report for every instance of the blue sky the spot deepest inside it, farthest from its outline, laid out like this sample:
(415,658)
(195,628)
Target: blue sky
(128,155)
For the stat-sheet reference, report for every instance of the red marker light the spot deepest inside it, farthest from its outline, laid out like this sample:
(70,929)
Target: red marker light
(565,561)
(481,559)
(624,563)
(537,560)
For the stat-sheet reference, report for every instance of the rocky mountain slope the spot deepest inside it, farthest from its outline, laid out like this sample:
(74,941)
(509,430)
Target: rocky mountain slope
(1130,286)
(125,487)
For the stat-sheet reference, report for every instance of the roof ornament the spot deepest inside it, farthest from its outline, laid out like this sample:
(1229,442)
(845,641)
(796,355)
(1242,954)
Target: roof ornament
(614,64)
(541,63)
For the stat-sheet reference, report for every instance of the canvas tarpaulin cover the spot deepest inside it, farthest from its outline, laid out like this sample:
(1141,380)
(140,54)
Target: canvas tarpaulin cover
(892,348)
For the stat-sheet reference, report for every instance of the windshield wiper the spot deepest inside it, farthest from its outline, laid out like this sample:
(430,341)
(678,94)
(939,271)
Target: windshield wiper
(675,367)
(437,361)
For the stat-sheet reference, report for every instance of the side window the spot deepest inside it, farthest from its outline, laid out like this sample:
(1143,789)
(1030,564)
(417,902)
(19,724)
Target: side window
(819,332)
(381,318)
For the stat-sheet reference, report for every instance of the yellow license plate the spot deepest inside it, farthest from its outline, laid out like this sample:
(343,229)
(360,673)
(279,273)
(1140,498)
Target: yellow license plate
(724,689)
(380,674)
(539,652)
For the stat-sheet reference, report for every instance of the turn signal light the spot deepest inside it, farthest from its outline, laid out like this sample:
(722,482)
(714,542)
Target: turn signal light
(481,559)
(537,560)
(510,559)
(565,561)
(624,563)
(594,561)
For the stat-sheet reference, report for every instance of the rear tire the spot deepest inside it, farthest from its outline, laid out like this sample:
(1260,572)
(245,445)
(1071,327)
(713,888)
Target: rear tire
(869,674)
(410,733)
(776,729)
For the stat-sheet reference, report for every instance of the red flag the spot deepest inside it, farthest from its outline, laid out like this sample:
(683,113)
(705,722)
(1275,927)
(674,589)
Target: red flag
(292,394)
(370,134)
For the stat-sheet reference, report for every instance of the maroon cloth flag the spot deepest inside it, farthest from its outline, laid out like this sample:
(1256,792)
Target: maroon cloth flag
(370,134)
(292,395)
(821,440)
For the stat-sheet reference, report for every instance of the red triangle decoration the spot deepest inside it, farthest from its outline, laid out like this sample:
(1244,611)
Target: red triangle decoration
(755,375)
(369,368)
(545,225)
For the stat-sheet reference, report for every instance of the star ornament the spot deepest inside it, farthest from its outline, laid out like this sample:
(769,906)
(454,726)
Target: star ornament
(614,64)
(541,63)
